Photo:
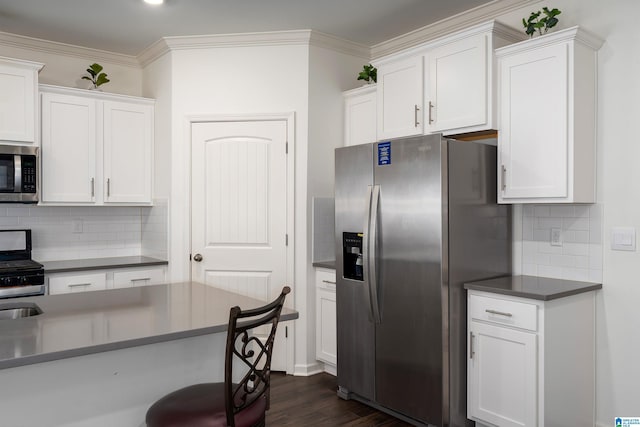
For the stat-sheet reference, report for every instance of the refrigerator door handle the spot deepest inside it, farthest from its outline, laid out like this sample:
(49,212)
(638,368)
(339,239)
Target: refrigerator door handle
(372,239)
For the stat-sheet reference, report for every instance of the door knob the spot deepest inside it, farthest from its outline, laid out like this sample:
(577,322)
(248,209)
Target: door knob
(197,257)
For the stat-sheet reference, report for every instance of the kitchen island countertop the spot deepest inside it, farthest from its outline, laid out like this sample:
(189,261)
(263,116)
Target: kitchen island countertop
(84,323)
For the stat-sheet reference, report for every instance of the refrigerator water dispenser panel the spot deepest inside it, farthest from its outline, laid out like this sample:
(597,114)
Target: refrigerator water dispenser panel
(352,255)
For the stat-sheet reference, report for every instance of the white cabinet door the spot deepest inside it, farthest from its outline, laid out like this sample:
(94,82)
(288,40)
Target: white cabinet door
(68,148)
(65,283)
(326,323)
(128,155)
(400,97)
(18,86)
(126,278)
(502,376)
(360,115)
(458,85)
(547,112)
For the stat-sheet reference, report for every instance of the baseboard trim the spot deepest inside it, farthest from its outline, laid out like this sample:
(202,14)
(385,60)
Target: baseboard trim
(308,370)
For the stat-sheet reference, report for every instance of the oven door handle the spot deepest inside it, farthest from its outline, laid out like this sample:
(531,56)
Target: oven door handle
(13,291)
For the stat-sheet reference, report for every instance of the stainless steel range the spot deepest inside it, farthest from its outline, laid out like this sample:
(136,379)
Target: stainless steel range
(19,275)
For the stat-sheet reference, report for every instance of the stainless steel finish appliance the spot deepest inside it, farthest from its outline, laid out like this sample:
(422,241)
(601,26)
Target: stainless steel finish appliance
(415,219)
(19,173)
(19,275)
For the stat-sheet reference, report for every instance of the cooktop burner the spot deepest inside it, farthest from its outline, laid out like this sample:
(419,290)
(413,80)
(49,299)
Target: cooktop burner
(21,264)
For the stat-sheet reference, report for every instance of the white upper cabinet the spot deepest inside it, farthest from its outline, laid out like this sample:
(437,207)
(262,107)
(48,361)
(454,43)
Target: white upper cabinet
(547,110)
(460,93)
(19,100)
(97,148)
(360,115)
(400,97)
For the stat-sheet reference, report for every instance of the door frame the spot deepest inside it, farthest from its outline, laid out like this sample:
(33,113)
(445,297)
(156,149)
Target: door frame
(289,118)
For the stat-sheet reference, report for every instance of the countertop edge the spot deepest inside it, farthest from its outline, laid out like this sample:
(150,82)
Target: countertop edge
(539,297)
(330,264)
(50,267)
(119,345)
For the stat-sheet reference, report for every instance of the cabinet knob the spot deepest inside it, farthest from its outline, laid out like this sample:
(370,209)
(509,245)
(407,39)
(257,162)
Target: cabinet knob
(197,257)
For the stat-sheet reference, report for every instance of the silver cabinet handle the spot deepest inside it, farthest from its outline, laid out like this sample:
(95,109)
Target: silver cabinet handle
(108,187)
(471,351)
(499,313)
(430,108)
(415,116)
(143,279)
(77,285)
(329,282)
(503,177)
(197,257)
(93,187)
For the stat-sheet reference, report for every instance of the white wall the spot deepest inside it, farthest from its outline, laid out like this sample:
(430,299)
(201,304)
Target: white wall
(618,184)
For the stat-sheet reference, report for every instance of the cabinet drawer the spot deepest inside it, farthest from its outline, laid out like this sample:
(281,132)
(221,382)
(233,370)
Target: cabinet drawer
(140,277)
(77,283)
(504,312)
(326,279)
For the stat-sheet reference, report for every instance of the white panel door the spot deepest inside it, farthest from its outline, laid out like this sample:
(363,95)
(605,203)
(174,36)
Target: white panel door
(239,210)
(68,148)
(502,376)
(128,153)
(17,103)
(533,135)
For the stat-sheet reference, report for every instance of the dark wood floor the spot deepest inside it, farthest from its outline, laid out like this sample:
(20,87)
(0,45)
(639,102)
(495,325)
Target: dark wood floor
(312,401)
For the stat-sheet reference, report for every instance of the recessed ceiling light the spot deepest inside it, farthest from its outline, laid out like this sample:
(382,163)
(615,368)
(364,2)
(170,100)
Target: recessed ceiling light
(154,1)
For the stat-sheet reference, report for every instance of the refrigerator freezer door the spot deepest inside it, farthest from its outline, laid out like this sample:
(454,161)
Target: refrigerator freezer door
(356,344)
(411,247)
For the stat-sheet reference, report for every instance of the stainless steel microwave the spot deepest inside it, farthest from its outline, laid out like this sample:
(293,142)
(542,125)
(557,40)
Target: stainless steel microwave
(19,174)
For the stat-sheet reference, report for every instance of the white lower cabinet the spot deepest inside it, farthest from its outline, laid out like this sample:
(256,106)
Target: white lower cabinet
(83,281)
(326,340)
(530,362)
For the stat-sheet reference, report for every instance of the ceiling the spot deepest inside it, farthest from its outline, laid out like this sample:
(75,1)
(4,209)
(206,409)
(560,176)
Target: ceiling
(129,26)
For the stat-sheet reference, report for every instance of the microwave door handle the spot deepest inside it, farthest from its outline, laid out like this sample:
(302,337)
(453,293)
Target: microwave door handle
(17,173)
(373,278)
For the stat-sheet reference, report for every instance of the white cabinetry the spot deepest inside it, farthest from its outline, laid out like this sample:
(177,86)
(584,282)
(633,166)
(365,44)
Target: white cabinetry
(360,115)
(547,109)
(84,281)
(530,362)
(460,93)
(19,100)
(400,97)
(326,340)
(97,148)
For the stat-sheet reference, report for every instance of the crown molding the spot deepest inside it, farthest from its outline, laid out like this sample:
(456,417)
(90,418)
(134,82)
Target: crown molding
(446,26)
(567,35)
(270,38)
(50,47)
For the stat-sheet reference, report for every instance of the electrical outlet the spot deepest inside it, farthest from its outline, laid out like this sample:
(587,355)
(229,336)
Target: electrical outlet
(77,226)
(556,237)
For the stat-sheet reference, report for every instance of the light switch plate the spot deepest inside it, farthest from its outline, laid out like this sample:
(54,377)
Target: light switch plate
(623,238)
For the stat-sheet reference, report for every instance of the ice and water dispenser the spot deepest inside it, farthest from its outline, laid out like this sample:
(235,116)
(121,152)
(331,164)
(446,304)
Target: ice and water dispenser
(352,255)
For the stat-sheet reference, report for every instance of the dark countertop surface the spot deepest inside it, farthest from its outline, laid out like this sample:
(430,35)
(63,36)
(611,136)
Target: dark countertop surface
(99,263)
(83,323)
(539,288)
(325,264)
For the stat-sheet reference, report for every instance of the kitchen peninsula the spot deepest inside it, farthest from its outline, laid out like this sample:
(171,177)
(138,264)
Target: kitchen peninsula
(100,358)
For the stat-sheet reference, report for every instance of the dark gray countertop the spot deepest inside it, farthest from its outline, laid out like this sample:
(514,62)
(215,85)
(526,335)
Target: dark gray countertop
(83,323)
(99,263)
(325,264)
(539,288)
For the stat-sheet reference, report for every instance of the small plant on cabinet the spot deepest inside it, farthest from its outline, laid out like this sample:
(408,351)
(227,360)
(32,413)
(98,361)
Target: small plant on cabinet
(369,74)
(535,23)
(96,76)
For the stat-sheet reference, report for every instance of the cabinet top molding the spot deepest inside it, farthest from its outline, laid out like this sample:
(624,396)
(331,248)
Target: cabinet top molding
(496,28)
(94,94)
(570,34)
(21,63)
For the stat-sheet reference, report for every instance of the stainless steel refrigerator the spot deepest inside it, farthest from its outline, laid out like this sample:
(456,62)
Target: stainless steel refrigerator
(415,219)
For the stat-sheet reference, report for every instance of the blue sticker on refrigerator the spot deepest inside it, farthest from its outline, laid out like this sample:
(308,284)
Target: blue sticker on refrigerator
(384,153)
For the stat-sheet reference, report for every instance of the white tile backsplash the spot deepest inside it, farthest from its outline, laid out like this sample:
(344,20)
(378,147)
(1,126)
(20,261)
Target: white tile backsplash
(107,231)
(579,257)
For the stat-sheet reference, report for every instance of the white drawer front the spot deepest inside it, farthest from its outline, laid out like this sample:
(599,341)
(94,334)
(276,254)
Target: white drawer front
(138,277)
(65,284)
(504,312)
(326,279)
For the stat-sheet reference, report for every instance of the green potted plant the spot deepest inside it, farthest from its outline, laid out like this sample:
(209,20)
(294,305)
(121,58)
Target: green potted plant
(540,24)
(369,74)
(96,76)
